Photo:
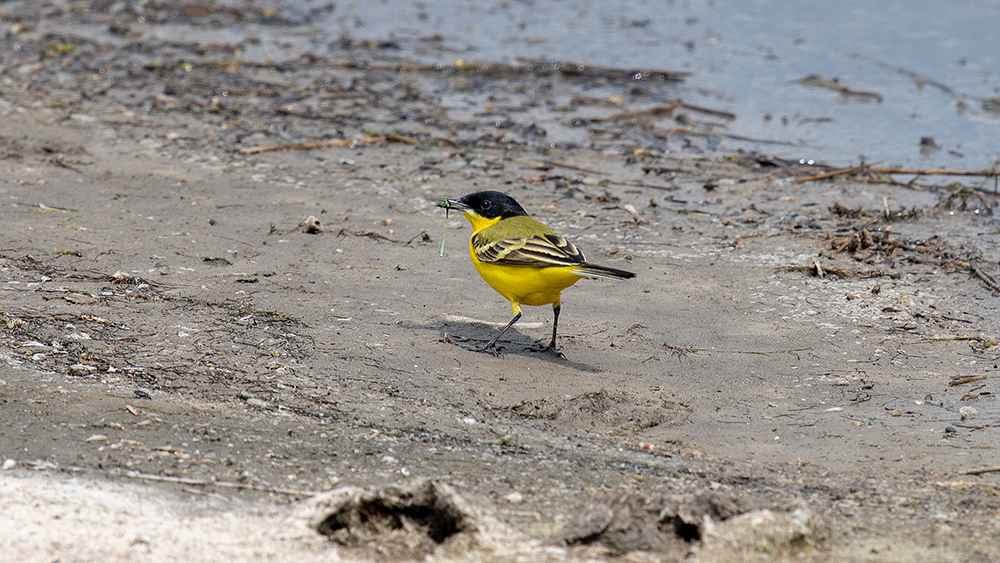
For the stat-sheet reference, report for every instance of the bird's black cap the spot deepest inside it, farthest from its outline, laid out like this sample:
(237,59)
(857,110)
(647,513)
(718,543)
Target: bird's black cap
(488,204)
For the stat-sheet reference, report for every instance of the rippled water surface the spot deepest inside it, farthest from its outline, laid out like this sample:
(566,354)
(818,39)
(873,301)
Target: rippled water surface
(931,67)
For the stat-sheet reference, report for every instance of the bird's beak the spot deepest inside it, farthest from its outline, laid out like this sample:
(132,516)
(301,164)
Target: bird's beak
(453,204)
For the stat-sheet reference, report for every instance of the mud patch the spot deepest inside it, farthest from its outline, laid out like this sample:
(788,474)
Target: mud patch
(414,522)
(625,522)
(708,526)
(12,148)
(606,411)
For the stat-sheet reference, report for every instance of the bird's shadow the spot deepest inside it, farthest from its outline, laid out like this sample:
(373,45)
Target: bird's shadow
(473,336)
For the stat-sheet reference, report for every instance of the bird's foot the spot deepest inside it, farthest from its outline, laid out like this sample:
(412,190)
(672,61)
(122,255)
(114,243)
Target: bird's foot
(551,349)
(491,349)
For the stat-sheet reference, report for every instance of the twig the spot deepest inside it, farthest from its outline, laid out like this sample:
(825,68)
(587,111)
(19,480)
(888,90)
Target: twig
(753,352)
(635,214)
(760,353)
(542,67)
(966,379)
(653,111)
(987,279)
(757,140)
(562,164)
(830,174)
(994,469)
(709,111)
(817,80)
(989,173)
(226,484)
(370,234)
(942,339)
(819,269)
(315,145)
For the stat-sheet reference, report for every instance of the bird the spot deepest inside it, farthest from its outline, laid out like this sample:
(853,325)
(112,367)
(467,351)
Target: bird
(521,258)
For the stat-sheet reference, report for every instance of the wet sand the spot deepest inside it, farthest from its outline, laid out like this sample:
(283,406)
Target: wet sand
(175,342)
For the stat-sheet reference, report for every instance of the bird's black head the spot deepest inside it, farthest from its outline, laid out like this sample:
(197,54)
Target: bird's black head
(488,204)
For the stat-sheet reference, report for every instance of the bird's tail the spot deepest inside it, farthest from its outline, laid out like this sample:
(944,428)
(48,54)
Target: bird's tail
(594,271)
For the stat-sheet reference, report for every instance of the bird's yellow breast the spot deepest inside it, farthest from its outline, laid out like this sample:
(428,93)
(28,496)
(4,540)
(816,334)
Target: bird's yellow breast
(522,285)
(526,285)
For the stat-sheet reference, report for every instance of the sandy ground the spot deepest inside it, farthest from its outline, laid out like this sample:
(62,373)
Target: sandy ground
(183,364)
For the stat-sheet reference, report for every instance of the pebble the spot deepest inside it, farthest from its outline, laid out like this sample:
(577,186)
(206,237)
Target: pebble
(256,402)
(81,369)
(9,464)
(311,225)
(968,412)
(514,498)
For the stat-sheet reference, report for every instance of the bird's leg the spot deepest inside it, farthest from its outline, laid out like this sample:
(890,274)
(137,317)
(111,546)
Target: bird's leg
(551,348)
(555,326)
(492,346)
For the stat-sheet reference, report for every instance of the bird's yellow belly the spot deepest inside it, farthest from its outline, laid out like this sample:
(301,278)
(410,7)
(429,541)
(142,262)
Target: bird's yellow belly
(526,285)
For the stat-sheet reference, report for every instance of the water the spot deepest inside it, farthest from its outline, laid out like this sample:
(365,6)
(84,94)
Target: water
(932,63)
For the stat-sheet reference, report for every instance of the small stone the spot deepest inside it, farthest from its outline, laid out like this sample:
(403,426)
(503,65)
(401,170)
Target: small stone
(514,498)
(81,369)
(968,412)
(256,402)
(9,464)
(896,412)
(312,226)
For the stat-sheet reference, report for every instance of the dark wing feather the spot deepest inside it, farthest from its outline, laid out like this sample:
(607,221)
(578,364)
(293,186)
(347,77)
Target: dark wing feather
(538,251)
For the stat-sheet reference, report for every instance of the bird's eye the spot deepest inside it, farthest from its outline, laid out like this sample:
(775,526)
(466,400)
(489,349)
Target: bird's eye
(485,205)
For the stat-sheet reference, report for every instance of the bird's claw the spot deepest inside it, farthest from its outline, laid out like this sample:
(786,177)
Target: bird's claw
(490,349)
(550,349)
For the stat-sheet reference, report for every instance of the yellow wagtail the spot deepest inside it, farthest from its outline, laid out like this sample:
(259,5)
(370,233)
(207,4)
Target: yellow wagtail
(522,259)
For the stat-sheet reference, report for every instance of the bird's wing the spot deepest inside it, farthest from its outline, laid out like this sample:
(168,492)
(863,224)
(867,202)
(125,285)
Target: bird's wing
(538,251)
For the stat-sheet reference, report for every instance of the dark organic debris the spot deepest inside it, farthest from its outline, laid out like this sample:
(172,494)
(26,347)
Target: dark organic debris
(847,273)
(216,260)
(989,280)
(928,145)
(350,143)
(658,170)
(861,239)
(959,199)
(991,105)
(838,209)
(367,234)
(817,81)
(866,172)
